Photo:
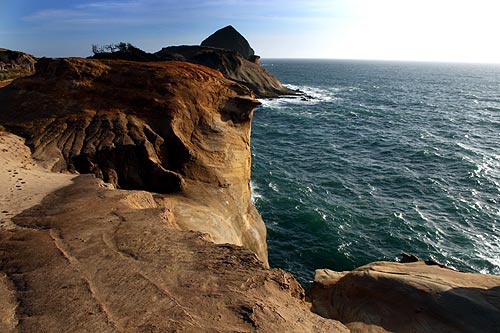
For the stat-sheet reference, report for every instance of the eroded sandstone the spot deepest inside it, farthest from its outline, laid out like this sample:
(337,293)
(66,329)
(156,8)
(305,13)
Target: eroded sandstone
(408,297)
(166,127)
(94,259)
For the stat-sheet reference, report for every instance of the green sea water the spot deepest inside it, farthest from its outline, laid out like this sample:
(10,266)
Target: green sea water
(383,158)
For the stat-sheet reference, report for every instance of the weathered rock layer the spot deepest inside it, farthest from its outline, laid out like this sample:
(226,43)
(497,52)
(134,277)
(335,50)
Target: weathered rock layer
(409,297)
(15,64)
(165,127)
(94,259)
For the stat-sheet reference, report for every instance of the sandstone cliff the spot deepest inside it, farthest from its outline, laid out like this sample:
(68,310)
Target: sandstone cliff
(408,297)
(79,255)
(136,253)
(167,127)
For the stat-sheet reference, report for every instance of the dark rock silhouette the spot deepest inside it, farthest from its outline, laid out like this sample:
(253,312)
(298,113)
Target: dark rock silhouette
(232,65)
(232,56)
(229,38)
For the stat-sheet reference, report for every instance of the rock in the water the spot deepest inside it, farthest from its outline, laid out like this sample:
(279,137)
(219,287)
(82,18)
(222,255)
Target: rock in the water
(230,39)
(411,297)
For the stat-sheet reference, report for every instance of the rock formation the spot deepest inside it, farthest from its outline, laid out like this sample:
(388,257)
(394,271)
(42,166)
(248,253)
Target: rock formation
(145,247)
(94,259)
(228,53)
(15,64)
(165,127)
(91,258)
(231,65)
(408,297)
(229,38)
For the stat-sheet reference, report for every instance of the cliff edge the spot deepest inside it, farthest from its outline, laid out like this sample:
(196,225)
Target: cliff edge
(166,127)
(131,233)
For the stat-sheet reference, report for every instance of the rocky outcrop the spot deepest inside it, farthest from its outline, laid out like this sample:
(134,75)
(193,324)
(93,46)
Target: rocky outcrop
(94,259)
(166,127)
(229,38)
(15,64)
(232,65)
(408,297)
(229,52)
(226,51)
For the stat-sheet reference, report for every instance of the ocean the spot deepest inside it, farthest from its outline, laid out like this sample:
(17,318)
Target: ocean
(381,158)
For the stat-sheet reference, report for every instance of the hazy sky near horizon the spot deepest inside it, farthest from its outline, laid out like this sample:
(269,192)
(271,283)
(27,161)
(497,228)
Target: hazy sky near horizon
(428,30)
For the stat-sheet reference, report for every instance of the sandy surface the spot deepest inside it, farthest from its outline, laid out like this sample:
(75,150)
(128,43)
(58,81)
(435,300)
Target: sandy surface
(23,184)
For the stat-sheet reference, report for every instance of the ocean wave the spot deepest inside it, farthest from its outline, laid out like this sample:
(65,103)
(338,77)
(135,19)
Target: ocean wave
(312,96)
(254,194)
(378,162)
(273,187)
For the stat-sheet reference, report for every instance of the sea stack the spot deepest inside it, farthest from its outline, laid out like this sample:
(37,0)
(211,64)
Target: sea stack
(228,52)
(229,38)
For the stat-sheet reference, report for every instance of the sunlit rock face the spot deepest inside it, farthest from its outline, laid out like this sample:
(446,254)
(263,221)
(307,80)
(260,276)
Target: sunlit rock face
(171,140)
(408,297)
(15,64)
(165,127)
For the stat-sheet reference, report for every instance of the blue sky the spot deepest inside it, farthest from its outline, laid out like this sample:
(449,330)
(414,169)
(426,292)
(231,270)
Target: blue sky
(428,30)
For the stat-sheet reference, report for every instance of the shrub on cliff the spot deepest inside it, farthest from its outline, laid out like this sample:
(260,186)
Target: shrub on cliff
(122,51)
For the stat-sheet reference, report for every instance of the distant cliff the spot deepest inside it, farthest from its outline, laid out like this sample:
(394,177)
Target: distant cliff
(226,51)
(232,65)
(15,64)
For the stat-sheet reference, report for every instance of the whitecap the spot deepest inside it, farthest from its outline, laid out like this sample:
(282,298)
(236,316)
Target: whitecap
(321,213)
(254,194)
(312,96)
(273,187)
